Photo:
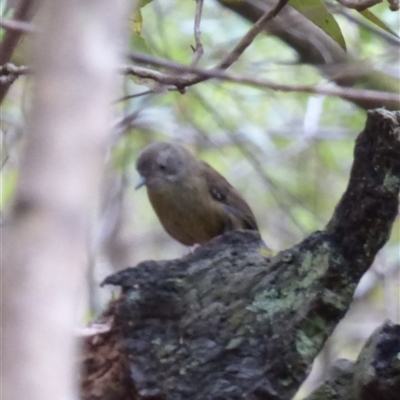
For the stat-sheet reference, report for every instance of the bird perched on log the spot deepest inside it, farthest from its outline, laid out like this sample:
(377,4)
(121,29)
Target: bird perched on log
(193,202)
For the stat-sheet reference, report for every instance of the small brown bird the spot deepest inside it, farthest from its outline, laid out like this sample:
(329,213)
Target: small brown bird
(192,200)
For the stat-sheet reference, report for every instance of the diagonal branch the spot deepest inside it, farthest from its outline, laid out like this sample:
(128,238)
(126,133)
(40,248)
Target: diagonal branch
(233,56)
(184,78)
(231,321)
(251,35)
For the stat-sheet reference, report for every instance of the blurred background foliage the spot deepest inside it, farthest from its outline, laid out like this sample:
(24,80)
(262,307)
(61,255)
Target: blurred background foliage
(289,154)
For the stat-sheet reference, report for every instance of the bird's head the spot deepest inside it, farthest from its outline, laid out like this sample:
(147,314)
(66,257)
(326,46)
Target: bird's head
(161,164)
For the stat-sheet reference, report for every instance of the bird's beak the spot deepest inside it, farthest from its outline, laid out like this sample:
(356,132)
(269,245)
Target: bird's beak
(142,182)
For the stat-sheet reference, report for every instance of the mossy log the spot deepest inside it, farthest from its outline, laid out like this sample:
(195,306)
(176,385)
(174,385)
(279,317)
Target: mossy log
(231,321)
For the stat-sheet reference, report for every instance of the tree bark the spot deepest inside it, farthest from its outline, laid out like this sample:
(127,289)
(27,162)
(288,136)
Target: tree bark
(45,241)
(375,375)
(231,320)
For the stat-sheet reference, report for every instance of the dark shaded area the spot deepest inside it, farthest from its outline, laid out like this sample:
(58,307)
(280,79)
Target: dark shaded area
(106,368)
(375,375)
(232,321)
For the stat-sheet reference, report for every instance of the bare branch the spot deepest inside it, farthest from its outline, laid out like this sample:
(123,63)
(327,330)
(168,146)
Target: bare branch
(198,50)
(251,35)
(10,72)
(233,55)
(337,9)
(182,81)
(359,5)
(17,26)
(133,96)
(146,73)
(243,44)
(24,12)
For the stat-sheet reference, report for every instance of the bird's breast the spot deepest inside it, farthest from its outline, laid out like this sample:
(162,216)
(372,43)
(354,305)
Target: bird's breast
(188,213)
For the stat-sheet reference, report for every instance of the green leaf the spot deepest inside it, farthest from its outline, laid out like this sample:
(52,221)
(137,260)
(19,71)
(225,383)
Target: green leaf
(317,13)
(8,187)
(371,17)
(137,19)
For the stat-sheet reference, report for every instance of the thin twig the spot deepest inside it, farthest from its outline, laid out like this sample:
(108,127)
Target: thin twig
(120,126)
(12,69)
(243,44)
(337,9)
(17,26)
(226,62)
(146,73)
(133,96)
(251,35)
(359,5)
(10,72)
(24,12)
(279,194)
(198,50)
(182,81)
(7,80)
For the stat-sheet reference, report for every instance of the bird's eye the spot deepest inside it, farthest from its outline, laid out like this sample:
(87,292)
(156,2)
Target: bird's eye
(162,167)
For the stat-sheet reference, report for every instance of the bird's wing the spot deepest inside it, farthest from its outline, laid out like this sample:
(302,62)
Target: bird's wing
(222,191)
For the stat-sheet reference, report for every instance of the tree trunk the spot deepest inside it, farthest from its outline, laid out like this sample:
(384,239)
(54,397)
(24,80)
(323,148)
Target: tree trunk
(45,241)
(232,321)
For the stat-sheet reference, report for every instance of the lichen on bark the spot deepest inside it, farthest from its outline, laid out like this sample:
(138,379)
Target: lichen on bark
(228,323)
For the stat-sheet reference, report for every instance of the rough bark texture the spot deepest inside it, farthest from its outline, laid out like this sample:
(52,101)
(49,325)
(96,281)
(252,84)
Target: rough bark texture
(375,375)
(230,321)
